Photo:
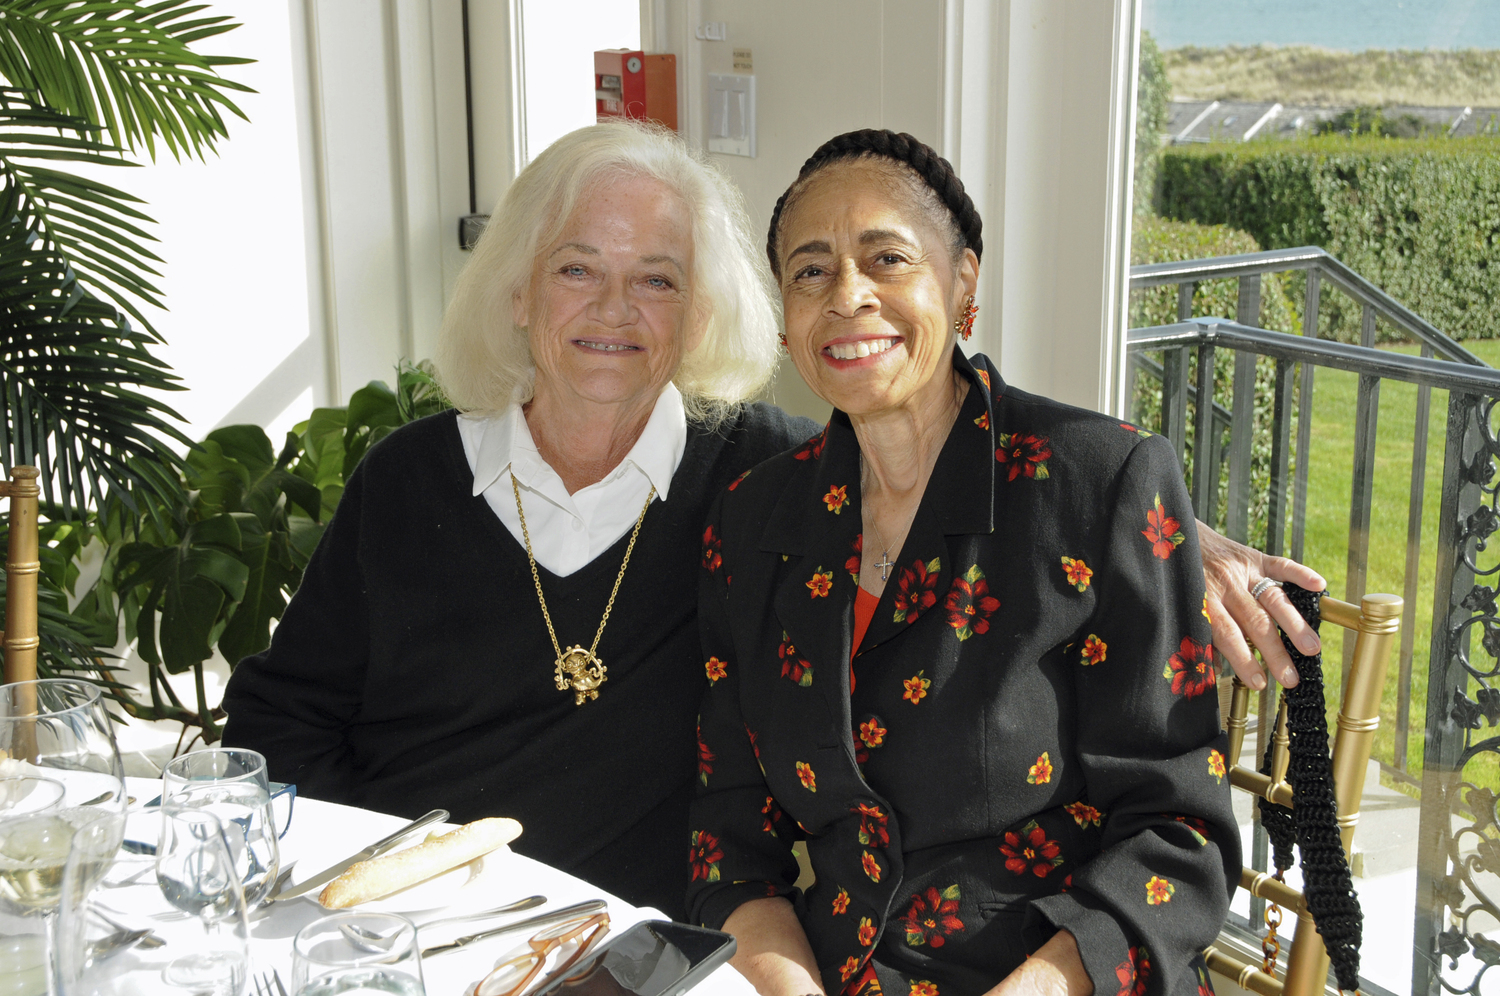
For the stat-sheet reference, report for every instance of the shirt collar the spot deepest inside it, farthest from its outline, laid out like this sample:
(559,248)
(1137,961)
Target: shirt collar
(504,442)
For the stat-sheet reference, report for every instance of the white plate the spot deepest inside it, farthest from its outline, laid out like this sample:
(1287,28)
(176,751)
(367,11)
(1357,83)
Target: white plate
(439,892)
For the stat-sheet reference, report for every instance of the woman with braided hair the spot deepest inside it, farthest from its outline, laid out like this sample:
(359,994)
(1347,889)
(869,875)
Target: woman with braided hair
(958,643)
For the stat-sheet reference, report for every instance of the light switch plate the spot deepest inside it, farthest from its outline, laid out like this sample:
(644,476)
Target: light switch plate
(731,114)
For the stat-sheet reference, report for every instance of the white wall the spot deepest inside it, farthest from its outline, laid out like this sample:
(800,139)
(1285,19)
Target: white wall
(1020,94)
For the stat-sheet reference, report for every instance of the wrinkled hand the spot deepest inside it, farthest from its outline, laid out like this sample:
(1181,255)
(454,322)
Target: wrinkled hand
(1229,571)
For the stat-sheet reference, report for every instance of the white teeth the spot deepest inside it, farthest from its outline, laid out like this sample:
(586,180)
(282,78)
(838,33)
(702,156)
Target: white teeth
(604,346)
(858,350)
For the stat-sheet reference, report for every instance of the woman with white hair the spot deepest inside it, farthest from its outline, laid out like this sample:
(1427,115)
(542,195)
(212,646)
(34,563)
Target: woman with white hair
(501,619)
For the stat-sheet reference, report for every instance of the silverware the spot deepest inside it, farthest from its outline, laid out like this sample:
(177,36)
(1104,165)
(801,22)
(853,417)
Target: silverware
(376,943)
(556,916)
(116,942)
(265,980)
(374,850)
(148,939)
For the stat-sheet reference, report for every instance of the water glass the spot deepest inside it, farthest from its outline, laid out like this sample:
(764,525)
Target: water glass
(82,945)
(197,873)
(232,784)
(325,961)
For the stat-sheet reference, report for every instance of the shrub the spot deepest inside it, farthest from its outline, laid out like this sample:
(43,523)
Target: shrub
(1153,96)
(1420,218)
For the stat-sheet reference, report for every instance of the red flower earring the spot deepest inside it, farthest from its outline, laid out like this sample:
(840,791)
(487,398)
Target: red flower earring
(964,323)
(782,337)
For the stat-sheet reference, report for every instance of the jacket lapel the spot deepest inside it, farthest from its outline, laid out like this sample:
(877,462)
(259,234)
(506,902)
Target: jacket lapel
(960,498)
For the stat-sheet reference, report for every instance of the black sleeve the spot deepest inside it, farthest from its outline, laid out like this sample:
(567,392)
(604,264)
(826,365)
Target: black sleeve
(295,701)
(1150,745)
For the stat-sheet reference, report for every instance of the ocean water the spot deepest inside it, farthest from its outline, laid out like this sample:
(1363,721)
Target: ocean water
(1352,25)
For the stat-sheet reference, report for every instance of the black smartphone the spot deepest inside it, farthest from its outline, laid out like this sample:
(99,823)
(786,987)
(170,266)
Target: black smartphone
(652,958)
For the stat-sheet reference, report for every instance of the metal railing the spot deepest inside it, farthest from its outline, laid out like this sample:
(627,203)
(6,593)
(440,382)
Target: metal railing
(1450,862)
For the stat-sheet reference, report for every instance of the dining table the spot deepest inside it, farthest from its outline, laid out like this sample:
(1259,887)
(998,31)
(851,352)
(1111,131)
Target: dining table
(321,833)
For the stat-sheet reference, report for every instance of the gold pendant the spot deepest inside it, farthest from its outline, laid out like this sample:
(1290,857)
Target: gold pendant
(581,671)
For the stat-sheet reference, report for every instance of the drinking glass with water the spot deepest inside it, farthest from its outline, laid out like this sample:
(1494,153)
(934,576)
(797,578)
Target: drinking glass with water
(232,784)
(325,961)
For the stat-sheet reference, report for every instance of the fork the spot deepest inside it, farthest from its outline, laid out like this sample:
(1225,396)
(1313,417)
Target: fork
(264,982)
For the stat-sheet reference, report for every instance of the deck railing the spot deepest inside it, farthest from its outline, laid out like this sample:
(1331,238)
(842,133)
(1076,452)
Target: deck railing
(1458,850)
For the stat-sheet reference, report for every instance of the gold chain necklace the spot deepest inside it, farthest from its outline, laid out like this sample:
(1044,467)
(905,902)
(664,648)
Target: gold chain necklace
(578,669)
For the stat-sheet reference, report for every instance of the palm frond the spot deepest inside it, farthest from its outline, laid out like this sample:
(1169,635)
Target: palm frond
(71,370)
(132,75)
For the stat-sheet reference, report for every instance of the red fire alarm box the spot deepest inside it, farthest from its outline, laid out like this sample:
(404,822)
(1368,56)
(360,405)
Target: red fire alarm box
(636,85)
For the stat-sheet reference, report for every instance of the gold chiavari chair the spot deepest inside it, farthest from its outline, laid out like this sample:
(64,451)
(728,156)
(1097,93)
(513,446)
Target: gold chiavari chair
(22,565)
(1376,621)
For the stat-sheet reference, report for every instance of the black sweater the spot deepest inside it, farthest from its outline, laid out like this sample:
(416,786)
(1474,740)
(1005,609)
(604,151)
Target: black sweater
(413,669)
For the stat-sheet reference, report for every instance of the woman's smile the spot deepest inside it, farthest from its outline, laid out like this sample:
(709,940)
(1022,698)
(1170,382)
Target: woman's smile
(602,345)
(859,349)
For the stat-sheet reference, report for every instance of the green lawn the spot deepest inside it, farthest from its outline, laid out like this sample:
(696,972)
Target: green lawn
(1327,538)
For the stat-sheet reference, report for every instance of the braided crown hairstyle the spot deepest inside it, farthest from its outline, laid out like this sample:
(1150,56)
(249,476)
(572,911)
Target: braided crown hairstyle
(935,172)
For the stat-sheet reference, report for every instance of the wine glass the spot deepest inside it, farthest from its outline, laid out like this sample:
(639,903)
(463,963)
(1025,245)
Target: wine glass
(197,873)
(81,947)
(325,961)
(232,784)
(57,730)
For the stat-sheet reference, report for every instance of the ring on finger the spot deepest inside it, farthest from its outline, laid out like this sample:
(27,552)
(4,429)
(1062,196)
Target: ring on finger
(1260,588)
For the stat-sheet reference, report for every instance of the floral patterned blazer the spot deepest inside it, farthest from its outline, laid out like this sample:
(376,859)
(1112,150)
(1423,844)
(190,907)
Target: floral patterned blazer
(1027,739)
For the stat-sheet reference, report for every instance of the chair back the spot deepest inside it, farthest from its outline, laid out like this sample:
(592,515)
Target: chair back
(1376,621)
(22,565)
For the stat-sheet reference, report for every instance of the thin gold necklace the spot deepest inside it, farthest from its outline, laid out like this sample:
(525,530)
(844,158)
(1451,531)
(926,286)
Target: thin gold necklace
(578,669)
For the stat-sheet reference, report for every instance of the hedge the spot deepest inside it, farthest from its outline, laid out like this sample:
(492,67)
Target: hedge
(1420,218)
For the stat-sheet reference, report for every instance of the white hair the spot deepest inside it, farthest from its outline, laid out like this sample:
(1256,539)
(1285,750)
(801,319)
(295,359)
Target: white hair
(484,360)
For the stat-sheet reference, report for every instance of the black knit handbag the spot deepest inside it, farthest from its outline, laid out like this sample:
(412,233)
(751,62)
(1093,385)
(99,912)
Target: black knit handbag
(1312,821)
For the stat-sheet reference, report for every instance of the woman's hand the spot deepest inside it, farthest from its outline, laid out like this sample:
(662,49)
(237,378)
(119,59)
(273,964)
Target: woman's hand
(1055,969)
(1230,570)
(772,950)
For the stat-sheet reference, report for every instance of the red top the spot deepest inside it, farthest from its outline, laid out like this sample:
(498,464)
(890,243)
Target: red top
(864,612)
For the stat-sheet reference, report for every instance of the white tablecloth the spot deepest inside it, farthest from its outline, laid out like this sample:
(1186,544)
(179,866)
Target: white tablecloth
(325,831)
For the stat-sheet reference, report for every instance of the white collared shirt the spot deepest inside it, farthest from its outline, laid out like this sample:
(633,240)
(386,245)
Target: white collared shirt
(569,531)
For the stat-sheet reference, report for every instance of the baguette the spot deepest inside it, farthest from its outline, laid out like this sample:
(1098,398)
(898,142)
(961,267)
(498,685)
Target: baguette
(378,877)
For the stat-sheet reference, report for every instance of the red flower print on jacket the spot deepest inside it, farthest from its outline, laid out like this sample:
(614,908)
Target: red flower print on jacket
(1079,574)
(1094,649)
(793,667)
(1191,669)
(969,604)
(1205,988)
(848,968)
(1159,891)
(1197,825)
(841,902)
(1164,532)
(1216,765)
(1031,851)
(852,564)
(754,739)
(1040,772)
(772,814)
(1133,972)
(872,825)
(870,865)
(921,987)
(736,482)
(1024,455)
(916,687)
(704,856)
(932,916)
(705,757)
(984,378)
(916,589)
(836,498)
(1083,814)
(983,421)
(821,583)
(806,775)
(813,448)
(714,668)
(866,931)
(871,733)
(712,550)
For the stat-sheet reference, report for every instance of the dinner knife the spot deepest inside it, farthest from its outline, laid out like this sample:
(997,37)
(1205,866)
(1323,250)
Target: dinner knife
(556,916)
(374,850)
